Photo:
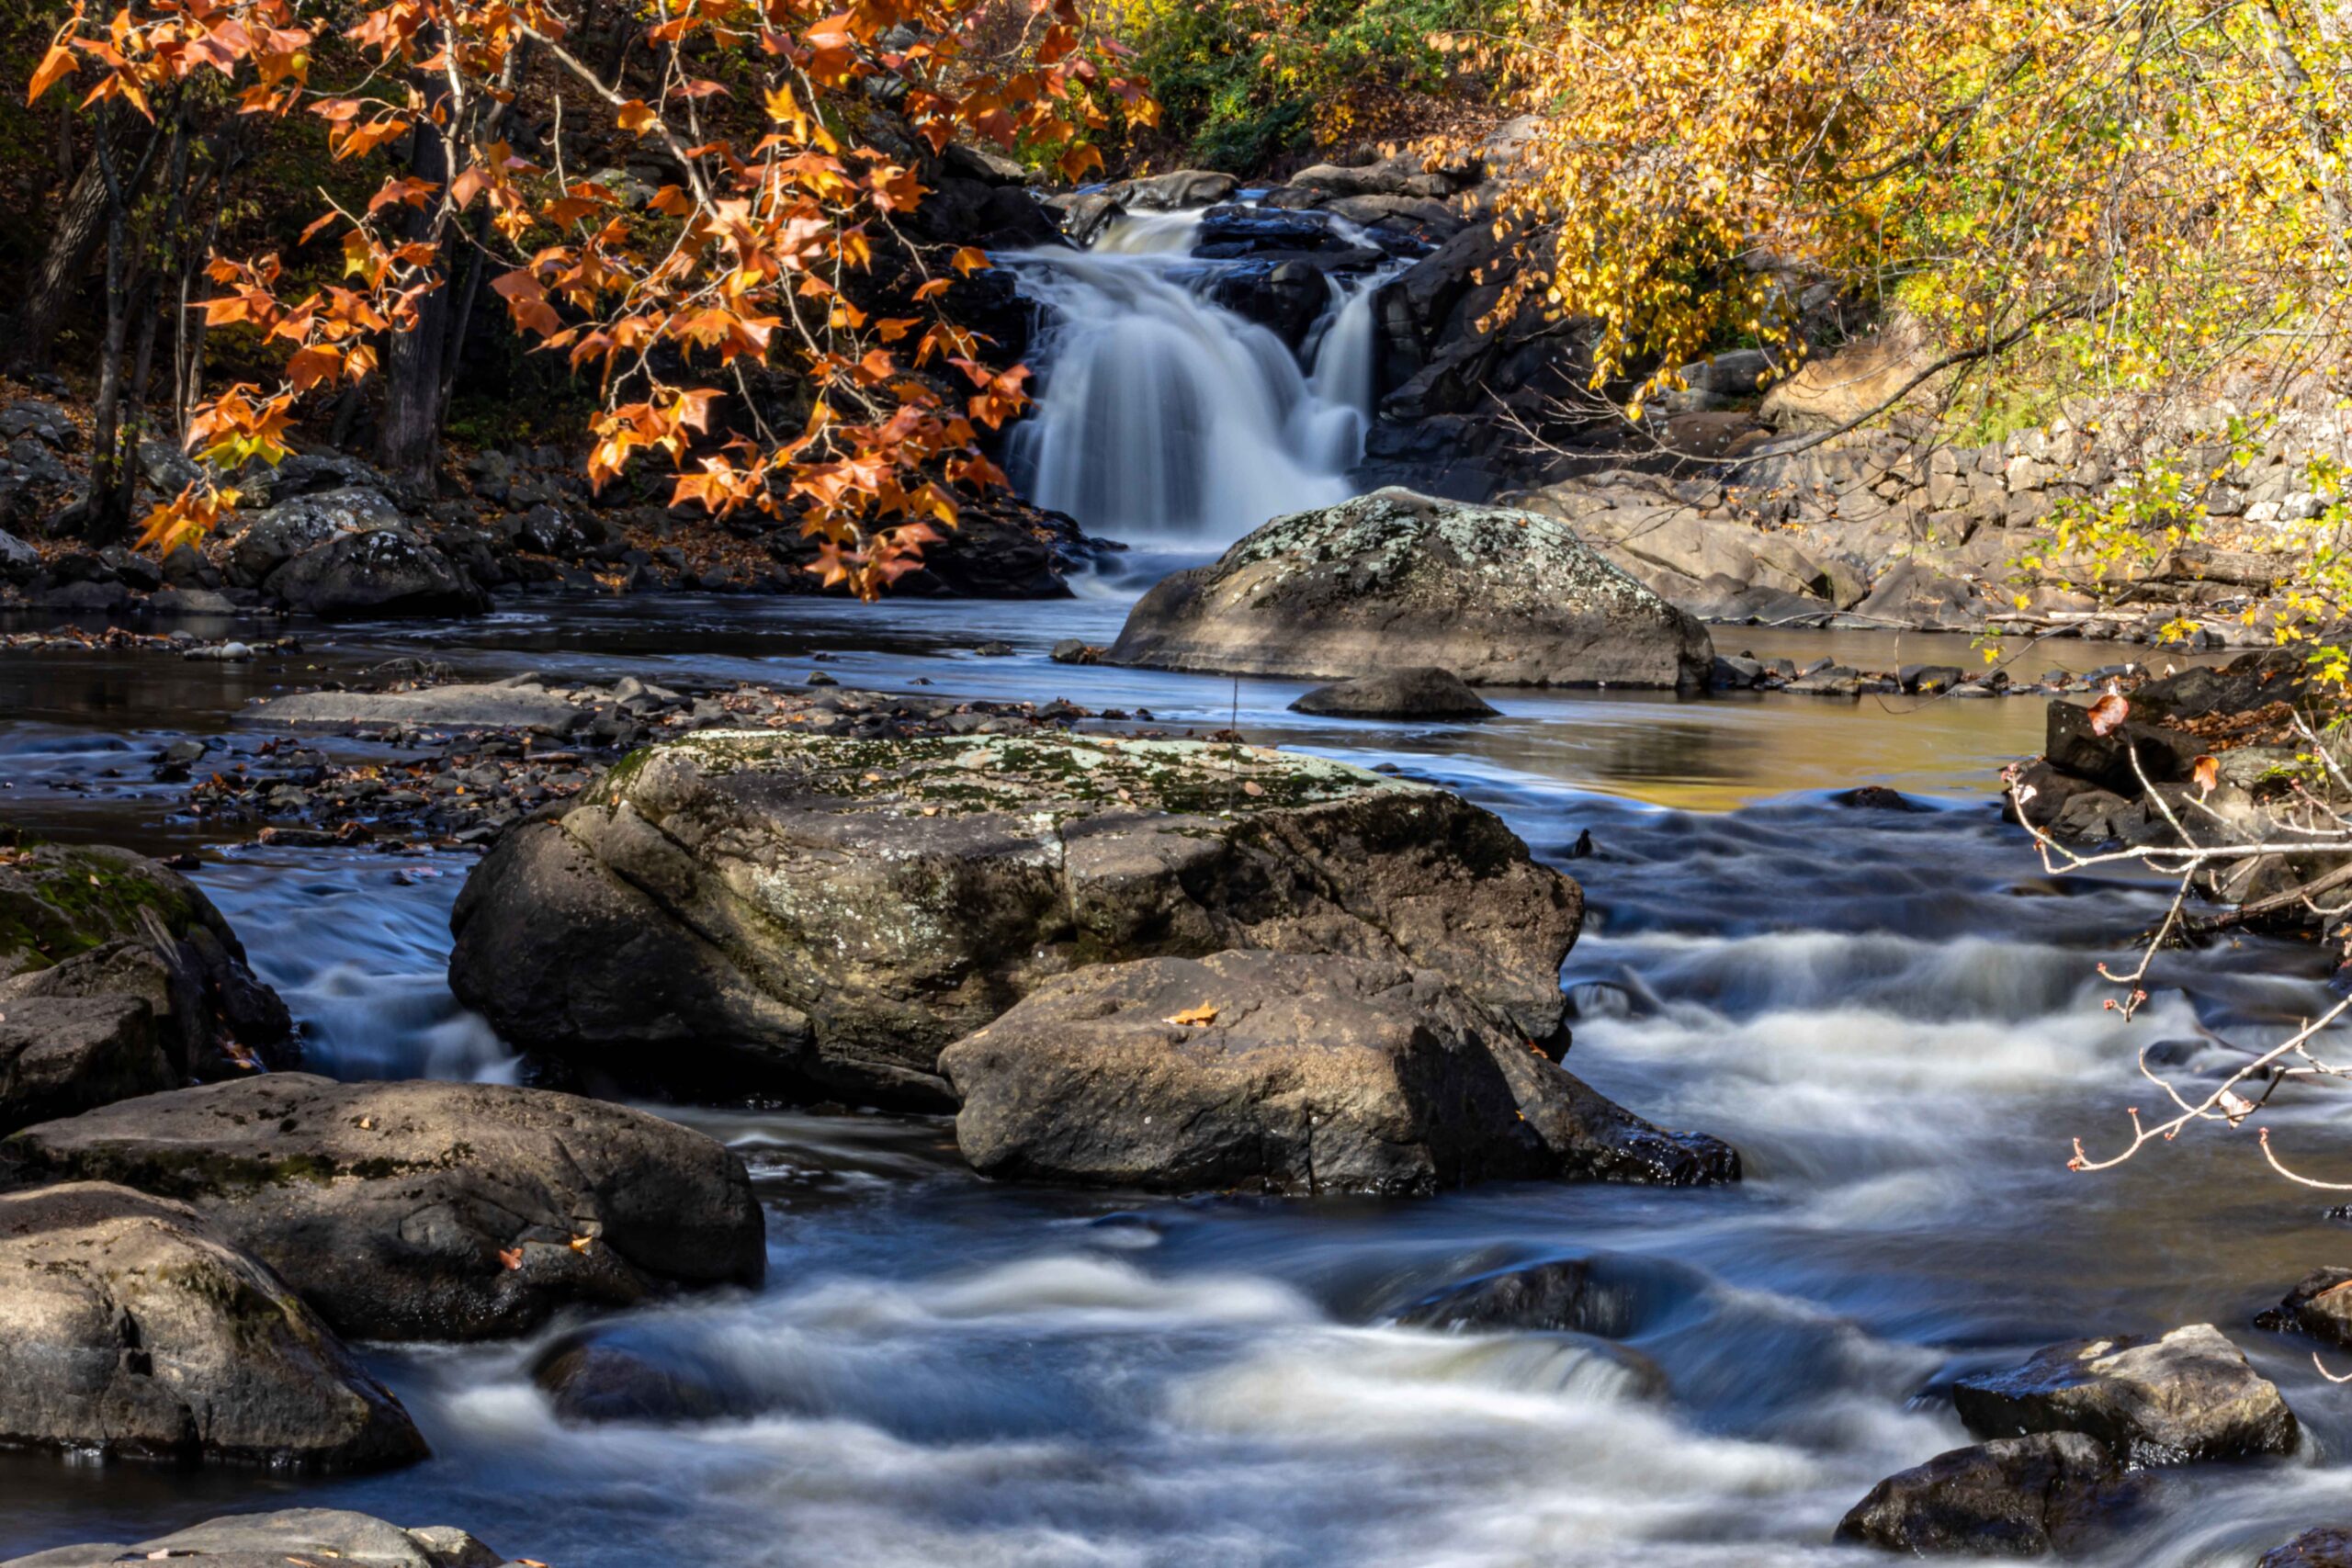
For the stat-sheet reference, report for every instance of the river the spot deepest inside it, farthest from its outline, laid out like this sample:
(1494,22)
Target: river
(1893,1014)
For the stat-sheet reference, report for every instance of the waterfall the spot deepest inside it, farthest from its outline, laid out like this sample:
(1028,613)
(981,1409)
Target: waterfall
(1162,418)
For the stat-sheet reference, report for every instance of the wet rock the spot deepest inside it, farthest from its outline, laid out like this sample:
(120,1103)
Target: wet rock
(822,913)
(2329,1546)
(493,707)
(1174,191)
(59,1056)
(131,1325)
(2015,1496)
(1566,1295)
(1284,1073)
(1875,797)
(2186,1395)
(316,1536)
(2319,1305)
(1502,598)
(1419,691)
(86,598)
(429,1210)
(1929,679)
(588,1380)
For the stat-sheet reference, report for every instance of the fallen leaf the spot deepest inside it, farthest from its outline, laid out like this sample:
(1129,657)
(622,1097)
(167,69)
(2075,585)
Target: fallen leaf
(1251,786)
(1194,1018)
(2207,771)
(582,1243)
(2108,713)
(511,1256)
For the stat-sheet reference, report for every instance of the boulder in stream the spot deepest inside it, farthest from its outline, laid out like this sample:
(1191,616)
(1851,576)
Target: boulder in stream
(427,1211)
(741,909)
(2319,1305)
(312,1536)
(1287,1073)
(1500,597)
(132,1326)
(2181,1396)
(1413,691)
(2013,1496)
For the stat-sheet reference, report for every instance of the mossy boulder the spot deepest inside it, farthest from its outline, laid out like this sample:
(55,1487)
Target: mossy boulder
(744,910)
(131,1325)
(1498,596)
(91,922)
(427,1211)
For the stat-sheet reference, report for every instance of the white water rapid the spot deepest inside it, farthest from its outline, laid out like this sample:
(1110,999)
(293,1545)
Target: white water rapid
(1163,418)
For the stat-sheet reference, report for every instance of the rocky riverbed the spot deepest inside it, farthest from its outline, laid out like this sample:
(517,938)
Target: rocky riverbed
(1888,1035)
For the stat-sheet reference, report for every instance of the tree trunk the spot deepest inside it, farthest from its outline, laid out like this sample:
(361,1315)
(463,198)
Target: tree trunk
(79,227)
(408,437)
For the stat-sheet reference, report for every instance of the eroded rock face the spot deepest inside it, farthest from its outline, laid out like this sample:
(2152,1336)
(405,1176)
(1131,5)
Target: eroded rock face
(132,1325)
(1501,598)
(754,909)
(427,1211)
(2014,1497)
(1285,1073)
(291,1535)
(2186,1396)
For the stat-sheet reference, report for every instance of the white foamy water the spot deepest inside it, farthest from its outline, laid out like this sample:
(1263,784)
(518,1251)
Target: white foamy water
(1164,419)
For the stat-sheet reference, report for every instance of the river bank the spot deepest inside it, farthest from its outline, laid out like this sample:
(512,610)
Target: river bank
(1888,1012)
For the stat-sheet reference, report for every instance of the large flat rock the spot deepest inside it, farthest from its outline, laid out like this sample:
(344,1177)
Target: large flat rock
(427,1211)
(442,707)
(745,909)
(313,1536)
(1500,597)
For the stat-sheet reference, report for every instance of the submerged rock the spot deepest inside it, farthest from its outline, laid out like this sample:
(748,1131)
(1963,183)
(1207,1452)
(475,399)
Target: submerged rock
(2330,1546)
(130,1325)
(741,909)
(1419,691)
(292,1535)
(429,1210)
(1566,1293)
(1287,1073)
(588,1379)
(2015,1496)
(1502,598)
(2186,1396)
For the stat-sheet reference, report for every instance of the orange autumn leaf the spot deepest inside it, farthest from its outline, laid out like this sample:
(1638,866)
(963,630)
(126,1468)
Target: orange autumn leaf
(1198,1017)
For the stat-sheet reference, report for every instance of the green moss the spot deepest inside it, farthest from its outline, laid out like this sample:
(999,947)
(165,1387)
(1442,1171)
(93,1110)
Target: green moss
(56,902)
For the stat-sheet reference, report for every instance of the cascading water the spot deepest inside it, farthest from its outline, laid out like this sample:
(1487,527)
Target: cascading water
(1165,419)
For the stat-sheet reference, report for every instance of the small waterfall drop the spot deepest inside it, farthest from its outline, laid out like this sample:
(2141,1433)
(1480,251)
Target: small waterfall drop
(1163,418)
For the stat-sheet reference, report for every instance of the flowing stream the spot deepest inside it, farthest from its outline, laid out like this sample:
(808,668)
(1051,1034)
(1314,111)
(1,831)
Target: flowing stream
(1893,1014)
(1164,419)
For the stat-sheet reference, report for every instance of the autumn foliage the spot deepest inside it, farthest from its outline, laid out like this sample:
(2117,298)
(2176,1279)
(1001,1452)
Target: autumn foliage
(753,261)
